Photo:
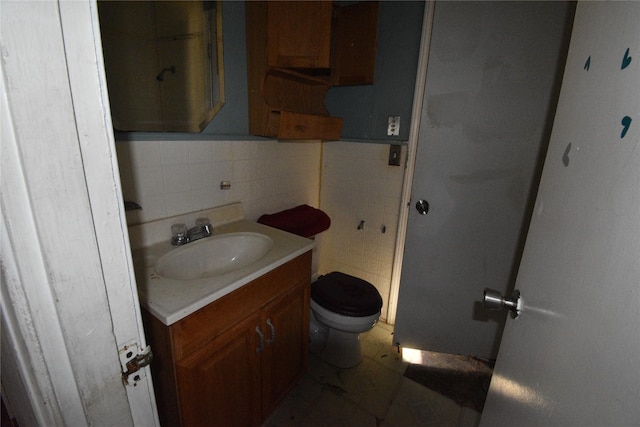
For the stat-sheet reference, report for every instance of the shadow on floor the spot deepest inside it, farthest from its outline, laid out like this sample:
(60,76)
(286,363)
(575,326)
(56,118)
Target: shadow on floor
(467,386)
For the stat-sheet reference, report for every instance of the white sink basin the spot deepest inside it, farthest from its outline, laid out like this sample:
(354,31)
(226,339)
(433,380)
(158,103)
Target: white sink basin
(213,256)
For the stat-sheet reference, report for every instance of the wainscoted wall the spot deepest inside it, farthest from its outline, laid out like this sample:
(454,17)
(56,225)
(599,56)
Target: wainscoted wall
(355,184)
(172,177)
(359,185)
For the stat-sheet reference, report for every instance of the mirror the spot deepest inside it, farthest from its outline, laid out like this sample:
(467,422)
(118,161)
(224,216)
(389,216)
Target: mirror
(164,63)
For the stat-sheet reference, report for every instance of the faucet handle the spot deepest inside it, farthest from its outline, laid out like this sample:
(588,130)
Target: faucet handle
(201,222)
(205,225)
(179,234)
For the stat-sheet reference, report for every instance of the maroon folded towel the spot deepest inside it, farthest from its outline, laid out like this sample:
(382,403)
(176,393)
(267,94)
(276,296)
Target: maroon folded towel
(302,220)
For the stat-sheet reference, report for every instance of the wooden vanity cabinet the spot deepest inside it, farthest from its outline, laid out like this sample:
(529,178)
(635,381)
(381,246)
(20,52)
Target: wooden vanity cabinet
(233,361)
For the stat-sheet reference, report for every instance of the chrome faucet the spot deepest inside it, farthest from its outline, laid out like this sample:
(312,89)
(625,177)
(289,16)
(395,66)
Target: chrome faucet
(181,235)
(199,231)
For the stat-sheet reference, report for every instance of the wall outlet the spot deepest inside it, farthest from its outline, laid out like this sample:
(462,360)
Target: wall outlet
(393,126)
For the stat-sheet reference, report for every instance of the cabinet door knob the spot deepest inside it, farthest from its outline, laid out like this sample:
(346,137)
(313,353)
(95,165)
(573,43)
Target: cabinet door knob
(273,332)
(261,335)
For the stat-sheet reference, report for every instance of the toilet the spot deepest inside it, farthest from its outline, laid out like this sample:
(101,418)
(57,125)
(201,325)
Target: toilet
(342,307)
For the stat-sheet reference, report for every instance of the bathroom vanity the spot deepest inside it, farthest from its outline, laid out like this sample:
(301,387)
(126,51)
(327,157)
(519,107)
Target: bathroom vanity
(228,348)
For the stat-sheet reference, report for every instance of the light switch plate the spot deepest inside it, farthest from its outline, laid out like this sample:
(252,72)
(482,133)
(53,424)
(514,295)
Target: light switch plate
(395,152)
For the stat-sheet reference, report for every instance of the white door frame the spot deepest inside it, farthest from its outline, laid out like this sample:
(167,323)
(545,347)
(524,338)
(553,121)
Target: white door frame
(412,149)
(69,298)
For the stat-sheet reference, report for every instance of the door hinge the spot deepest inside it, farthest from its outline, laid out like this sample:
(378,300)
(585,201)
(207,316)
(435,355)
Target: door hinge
(132,360)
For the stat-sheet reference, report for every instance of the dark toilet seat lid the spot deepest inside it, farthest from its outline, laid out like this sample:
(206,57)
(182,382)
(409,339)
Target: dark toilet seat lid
(346,295)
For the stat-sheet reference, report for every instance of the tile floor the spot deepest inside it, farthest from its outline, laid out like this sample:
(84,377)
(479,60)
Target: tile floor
(375,393)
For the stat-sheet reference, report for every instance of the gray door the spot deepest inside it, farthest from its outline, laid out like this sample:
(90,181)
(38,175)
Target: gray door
(572,358)
(492,79)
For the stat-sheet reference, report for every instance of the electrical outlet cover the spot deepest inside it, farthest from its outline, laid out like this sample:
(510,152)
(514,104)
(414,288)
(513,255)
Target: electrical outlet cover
(393,126)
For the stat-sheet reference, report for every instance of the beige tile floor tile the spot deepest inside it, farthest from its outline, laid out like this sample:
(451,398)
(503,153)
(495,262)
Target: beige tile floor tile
(411,407)
(375,393)
(377,345)
(333,410)
(371,386)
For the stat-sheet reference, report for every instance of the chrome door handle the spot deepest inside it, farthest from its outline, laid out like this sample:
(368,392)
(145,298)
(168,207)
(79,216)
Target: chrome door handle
(261,335)
(273,332)
(494,300)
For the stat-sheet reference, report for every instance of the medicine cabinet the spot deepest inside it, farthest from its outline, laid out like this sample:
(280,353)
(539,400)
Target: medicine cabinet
(164,63)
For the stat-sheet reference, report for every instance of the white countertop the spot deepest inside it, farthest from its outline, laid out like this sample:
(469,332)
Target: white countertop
(171,300)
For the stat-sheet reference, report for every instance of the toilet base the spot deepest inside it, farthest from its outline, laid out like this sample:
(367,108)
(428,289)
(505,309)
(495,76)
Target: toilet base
(342,349)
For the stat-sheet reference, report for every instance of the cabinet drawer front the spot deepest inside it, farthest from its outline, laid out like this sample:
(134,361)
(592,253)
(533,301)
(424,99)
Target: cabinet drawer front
(309,126)
(197,329)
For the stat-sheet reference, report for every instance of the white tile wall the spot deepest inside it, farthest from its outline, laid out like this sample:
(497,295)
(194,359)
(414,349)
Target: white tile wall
(359,185)
(174,177)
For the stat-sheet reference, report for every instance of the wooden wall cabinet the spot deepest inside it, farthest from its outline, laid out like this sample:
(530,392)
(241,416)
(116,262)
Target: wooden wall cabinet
(296,51)
(299,34)
(233,361)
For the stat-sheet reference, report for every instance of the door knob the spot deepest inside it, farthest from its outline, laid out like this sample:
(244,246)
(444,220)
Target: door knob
(494,300)
(422,206)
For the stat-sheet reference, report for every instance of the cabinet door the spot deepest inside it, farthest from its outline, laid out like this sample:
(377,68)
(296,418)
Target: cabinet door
(219,384)
(286,322)
(356,36)
(299,34)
